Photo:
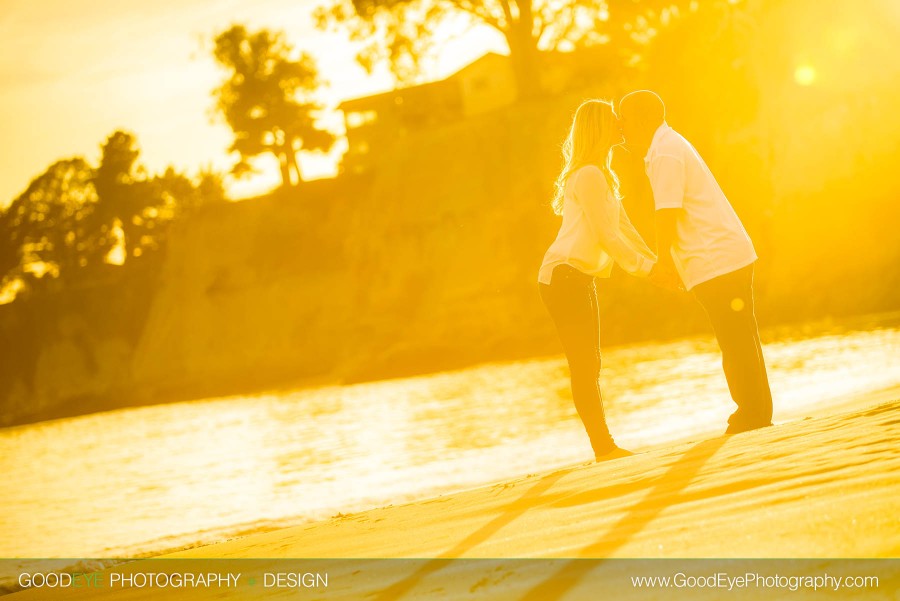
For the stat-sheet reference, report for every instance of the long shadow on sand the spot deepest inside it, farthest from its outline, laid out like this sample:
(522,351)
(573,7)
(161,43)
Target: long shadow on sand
(665,493)
(532,498)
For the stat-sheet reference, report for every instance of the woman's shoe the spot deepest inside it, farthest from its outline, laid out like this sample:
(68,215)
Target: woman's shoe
(616,453)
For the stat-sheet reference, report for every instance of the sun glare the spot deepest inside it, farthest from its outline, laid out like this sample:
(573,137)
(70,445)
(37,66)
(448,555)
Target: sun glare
(805,75)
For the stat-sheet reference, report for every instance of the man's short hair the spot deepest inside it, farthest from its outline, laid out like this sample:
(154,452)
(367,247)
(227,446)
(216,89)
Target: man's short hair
(646,105)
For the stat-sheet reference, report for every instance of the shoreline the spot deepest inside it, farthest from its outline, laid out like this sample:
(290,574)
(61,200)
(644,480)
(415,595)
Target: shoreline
(772,462)
(815,488)
(239,531)
(284,383)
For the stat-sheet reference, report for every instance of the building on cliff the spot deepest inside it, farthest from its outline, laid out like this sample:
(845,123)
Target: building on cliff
(374,123)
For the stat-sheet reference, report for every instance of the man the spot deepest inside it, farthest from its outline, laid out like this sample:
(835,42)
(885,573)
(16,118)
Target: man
(701,241)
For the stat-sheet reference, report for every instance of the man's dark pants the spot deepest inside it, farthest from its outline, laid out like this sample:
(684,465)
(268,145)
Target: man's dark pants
(728,301)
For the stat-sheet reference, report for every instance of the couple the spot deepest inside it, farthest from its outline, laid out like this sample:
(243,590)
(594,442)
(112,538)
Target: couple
(702,247)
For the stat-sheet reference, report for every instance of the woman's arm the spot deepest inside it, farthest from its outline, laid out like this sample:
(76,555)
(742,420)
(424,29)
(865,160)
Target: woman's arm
(625,246)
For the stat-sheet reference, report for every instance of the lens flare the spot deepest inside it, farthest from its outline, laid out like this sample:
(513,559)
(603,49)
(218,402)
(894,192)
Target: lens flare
(805,75)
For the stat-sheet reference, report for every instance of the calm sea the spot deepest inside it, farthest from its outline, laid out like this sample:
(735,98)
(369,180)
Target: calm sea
(146,480)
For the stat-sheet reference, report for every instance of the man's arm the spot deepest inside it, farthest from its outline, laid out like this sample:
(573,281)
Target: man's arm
(664,273)
(665,235)
(667,178)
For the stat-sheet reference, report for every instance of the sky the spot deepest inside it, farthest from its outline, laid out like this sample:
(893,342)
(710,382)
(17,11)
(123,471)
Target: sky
(73,71)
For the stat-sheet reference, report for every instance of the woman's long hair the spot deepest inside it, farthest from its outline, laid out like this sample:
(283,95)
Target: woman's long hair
(589,142)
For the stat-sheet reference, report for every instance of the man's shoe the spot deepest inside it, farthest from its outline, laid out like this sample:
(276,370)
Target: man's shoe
(738,428)
(616,453)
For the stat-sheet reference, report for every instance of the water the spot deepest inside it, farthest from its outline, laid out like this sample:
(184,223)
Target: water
(142,481)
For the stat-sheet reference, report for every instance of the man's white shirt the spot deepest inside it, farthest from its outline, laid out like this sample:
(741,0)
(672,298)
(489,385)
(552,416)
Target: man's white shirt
(710,239)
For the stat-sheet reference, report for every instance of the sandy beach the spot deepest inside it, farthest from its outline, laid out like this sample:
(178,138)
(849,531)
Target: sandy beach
(824,488)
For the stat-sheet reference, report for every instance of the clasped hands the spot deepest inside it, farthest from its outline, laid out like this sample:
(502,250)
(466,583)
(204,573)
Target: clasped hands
(665,276)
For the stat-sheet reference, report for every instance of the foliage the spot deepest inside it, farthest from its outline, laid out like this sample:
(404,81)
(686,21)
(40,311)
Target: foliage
(73,216)
(122,192)
(48,223)
(404,33)
(267,99)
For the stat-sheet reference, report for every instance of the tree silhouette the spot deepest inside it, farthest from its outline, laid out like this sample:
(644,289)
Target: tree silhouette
(404,32)
(180,195)
(71,216)
(125,196)
(267,99)
(46,228)
(64,221)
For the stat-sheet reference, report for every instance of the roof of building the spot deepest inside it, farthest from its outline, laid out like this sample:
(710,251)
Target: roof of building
(579,62)
(362,101)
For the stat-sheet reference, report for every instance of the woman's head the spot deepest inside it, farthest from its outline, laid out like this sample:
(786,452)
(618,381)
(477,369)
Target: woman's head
(593,133)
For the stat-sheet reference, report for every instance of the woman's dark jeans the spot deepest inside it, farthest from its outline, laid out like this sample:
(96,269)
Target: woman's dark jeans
(571,299)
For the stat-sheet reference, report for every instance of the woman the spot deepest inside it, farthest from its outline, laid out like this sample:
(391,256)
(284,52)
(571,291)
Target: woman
(595,232)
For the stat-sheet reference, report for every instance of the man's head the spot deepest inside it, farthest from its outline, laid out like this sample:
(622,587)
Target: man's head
(640,115)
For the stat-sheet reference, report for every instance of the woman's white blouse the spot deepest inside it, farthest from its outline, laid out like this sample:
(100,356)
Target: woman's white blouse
(595,231)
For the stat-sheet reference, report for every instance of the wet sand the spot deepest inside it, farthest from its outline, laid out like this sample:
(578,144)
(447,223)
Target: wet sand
(825,487)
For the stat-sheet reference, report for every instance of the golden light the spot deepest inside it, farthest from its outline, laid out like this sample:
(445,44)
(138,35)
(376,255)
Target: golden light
(805,75)
(9,291)
(117,254)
